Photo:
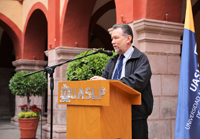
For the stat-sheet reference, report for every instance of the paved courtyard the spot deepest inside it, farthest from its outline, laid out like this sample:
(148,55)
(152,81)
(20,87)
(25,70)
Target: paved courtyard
(10,131)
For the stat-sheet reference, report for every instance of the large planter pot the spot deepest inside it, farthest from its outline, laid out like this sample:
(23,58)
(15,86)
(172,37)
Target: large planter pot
(28,127)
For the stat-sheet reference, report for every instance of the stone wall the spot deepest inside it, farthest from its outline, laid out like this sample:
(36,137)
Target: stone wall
(160,41)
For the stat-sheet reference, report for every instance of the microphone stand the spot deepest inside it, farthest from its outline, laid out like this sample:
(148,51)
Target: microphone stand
(50,70)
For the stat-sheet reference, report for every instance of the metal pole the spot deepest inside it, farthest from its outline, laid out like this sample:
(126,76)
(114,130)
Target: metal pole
(51,87)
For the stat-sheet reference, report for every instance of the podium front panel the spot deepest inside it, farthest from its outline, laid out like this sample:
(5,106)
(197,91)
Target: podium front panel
(95,93)
(99,109)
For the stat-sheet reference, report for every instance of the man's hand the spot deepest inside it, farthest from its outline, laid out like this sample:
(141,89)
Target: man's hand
(97,78)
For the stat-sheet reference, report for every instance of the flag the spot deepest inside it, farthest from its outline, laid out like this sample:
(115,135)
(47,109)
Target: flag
(187,124)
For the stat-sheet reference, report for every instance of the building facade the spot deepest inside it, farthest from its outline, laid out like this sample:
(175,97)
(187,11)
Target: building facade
(37,33)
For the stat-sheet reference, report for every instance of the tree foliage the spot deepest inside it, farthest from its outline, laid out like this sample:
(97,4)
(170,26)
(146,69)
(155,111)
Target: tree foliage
(31,85)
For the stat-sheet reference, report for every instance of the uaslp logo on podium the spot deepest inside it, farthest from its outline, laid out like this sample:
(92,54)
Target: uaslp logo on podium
(79,93)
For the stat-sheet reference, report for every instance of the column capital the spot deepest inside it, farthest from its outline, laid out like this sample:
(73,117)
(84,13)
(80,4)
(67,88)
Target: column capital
(62,53)
(157,26)
(155,36)
(28,65)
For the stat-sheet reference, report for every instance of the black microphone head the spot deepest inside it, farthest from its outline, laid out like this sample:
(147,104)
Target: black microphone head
(109,53)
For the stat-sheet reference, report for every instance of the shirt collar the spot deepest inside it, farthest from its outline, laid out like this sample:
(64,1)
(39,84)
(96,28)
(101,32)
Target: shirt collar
(128,52)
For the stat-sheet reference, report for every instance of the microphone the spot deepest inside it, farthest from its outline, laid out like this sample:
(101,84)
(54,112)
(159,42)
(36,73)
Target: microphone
(109,53)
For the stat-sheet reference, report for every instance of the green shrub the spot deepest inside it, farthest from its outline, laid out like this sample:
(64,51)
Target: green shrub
(27,86)
(87,67)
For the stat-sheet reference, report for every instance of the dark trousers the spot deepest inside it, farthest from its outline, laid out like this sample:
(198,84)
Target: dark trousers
(139,129)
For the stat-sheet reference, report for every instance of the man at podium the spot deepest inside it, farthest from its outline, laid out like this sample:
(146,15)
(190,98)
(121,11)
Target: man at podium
(131,67)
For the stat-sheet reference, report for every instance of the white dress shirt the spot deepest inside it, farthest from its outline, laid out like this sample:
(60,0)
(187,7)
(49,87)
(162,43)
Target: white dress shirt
(127,56)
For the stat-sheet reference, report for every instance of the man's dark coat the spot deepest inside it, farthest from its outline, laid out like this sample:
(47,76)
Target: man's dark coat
(137,76)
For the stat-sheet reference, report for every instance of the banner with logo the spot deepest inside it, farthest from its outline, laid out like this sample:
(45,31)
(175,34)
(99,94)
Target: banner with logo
(187,124)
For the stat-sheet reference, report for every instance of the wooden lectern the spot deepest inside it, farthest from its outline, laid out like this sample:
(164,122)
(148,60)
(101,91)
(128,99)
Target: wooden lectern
(98,109)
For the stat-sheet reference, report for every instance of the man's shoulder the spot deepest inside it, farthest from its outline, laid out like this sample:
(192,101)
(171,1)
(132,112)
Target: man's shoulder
(137,54)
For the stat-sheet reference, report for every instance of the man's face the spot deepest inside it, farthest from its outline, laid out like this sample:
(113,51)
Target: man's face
(119,41)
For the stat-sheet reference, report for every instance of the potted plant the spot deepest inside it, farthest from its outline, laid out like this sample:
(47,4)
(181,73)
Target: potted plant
(27,87)
(87,67)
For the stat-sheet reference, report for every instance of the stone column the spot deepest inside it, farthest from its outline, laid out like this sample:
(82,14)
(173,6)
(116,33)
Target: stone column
(160,41)
(26,65)
(56,56)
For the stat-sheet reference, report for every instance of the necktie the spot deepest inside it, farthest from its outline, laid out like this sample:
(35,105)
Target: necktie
(118,70)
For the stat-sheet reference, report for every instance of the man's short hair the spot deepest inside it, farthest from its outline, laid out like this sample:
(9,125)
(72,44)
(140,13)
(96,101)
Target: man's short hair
(126,29)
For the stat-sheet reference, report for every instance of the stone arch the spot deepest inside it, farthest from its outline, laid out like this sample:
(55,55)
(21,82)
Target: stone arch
(35,33)
(14,33)
(37,5)
(75,23)
(97,30)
